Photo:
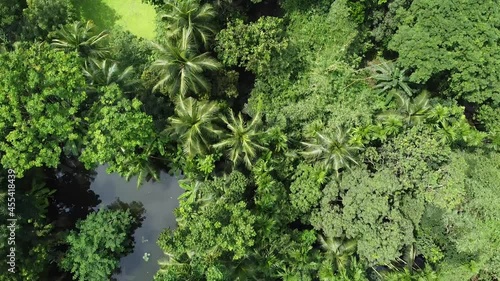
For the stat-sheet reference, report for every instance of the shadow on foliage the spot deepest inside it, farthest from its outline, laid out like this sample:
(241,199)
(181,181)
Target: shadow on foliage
(96,10)
(302,6)
(269,8)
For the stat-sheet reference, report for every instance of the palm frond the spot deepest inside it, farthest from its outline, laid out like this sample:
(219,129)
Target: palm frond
(333,150)
(194,124)
(81,38)
(242,140)
(181,69)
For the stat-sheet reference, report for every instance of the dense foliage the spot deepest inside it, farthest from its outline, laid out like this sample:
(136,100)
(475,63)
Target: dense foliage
(98,244)
(317,140)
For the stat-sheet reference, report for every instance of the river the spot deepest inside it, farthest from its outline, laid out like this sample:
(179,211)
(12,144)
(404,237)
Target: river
(159,199)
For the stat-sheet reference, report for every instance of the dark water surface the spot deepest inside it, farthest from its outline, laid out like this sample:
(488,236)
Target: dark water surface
(159,199)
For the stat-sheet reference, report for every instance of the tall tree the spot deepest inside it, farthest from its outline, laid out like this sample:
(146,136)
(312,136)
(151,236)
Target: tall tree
(374,210)
(41,92)
(97,245)
(251,45)
(82,38)
(209,235)
(194,124)
(474,229)
(440,41)
(242,140)
(106,72)
(119,134)
(181,69)
(333,150)
(189,20)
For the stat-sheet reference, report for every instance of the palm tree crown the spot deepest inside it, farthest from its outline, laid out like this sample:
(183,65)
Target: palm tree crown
(338,250)
(411,111)
(81,38)
(333,150)
(105,72)
(242,140)
(194,124)
(190,20)
(181,70)
(389,77)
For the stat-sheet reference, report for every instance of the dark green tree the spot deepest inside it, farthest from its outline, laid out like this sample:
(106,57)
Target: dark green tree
(42,17)
(97,245)
(10,22)
(27,201)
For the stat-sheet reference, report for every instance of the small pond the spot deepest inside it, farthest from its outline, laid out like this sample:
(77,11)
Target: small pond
(159,199)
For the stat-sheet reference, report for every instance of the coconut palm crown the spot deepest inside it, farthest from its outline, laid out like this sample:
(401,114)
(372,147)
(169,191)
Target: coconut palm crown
(242,140)
(181,69)
(411,111)
(188,19)
(332,150)
(390,77)
(194,124)
(82,38)
(105,72)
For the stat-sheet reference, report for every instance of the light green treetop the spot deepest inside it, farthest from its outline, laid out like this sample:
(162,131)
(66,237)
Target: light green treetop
(41,91)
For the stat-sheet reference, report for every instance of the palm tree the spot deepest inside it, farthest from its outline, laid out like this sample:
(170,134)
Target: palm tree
(181,69)
(194,192)
(333,150)
(179,263)
(411,111)
(194,124)
(105,72)
(405,268)
(339,251)
(144,169)
(242,140)
(389,77)
(416,110)
(81,38)
(188,20)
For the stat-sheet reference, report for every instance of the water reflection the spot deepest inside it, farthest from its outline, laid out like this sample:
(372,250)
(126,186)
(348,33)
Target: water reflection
(73,199)
(159,200)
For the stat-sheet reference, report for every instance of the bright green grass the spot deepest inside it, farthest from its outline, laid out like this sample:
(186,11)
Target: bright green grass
(132,15)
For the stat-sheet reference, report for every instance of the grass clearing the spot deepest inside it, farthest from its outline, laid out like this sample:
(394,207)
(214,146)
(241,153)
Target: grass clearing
(132,15)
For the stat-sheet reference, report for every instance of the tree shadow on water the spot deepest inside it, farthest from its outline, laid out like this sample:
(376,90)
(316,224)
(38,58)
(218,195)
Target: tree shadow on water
(103,16)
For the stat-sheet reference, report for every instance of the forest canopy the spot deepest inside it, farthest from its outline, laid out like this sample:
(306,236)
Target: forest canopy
(324,140)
